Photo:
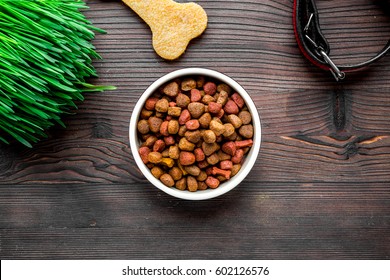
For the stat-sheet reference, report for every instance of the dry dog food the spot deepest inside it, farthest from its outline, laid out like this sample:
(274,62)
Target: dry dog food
(195,133)
(173,26)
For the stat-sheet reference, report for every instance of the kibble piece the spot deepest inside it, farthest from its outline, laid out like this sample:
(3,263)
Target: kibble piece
(182,100)
(226,164)
(231,107)
(212,182)
(246,131)
(165,153)
(217,127)
(192,184)
(145,114)
(144,154)
(182,130)
(164,128)
(196,109)
(174,111)
(193,136)
(210,88)
(168,162)
(171,89)
(235,121)
(157,172)
(223,156)
(205,120)
(238,100)
(213,159)
(200,80)
(167,180)
(192,124)
(155,157)
(173,127)
(151,103)
(229,148)
(235,169)
(202,176)
(149,142)
(174,152)
(207,99)
(196,95)
(202,186)
(143,127)
(238,156)
(199,154)
(245,117)
(181,184)
(209,136)
(154,124)
(186,145)
(169,140)
(192,170)
(176,173)
(210,148)
(223,87)
(188,84)
(162,106)
(159,146)
(223,98)
(214,107)
(186,158)
(185,116)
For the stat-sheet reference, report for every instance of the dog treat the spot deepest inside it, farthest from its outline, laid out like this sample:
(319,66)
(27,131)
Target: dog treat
(192,143)
(173,25)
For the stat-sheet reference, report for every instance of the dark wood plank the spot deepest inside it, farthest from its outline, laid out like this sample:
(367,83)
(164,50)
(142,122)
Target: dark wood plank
(292,221)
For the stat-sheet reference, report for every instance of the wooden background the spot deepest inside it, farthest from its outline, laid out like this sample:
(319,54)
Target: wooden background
(320,188)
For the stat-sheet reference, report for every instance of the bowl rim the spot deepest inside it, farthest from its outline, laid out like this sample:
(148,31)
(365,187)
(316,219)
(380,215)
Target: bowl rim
(250,158)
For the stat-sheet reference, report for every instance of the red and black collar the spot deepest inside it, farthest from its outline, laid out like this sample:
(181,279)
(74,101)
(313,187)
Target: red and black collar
(314,45)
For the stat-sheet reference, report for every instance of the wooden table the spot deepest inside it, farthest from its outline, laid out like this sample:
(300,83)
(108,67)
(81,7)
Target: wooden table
(320,188)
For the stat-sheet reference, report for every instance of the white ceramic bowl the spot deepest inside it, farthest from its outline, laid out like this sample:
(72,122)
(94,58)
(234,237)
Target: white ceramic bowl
(249,160)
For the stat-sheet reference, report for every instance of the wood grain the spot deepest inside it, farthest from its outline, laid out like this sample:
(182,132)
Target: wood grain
(319,188)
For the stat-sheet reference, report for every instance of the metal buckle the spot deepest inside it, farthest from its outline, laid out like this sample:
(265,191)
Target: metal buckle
(337,74)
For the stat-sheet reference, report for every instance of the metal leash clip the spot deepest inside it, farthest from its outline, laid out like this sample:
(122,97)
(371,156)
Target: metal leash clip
(337,74)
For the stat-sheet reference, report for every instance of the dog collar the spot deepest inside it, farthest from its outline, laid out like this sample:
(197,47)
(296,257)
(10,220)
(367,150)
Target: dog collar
(314,45)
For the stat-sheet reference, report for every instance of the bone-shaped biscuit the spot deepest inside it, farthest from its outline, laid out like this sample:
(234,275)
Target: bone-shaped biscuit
(173,25)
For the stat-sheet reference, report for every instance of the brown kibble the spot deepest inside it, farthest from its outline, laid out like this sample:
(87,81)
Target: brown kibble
(157,172)
(229,129)
(174,152)
(188,84)
(196,109)
(212,182)
(145,114)
(203,164)
(193,136)
(200,80)
(169,140)
(205,120)
(223,98)
(181,184)
(199,154)
(176,173)
(217,127)
(186,145)
(159,146)
(174,111)
(210,88)
(229,148)
(224,87)
(167,180)
(223,156)
(182,130)
(202,176)
(162,106)
(185,116)
(231,107)
(186,158)
(235,121)
(245,117)
(202,185)
(192,124)
(144,153)
(151,103)
(149,142)
(154,124)
(210,148)
(165,153)
(143,127)
(192,184)
(213,159)
(196,95)
(209,136)
(207,99)
(168,162)
(182,100)
(155,157)
(246,131)
(238,100)
(232,137)
(171,89)
(173,127)
(235,169)
(192,170)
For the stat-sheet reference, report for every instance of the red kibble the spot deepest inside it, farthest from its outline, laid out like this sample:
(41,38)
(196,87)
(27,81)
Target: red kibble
(238,100)
(144,152)
(169,140)
(214,107)
(231,107)
(151,103)
(192,124)
(196,96)
(244,143)
(159,146)
(218,171)
(199,154)
(186,158)
(210,88)
(185,116)
(229,148)
(226,164)
(164,128)
(238,156)
(212,182)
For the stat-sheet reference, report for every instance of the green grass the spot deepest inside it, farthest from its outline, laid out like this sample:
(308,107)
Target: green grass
(46,57)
